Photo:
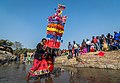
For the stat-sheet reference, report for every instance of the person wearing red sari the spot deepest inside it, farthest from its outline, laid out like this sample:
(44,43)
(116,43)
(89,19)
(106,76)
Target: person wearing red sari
(40,65)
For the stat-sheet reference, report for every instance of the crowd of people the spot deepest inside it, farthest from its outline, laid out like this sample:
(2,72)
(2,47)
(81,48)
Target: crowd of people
(24,57)
(98,43)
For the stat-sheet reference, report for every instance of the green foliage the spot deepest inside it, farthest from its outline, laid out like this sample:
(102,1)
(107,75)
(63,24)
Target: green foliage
(31,50)
(8,45)
(22,50)
(5,42)
(17,45)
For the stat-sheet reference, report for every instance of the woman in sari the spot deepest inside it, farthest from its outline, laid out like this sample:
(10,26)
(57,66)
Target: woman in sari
(40,65)
(43,60)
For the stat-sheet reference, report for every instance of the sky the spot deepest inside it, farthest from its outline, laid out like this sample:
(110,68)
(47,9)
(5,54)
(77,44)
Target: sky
(25,21)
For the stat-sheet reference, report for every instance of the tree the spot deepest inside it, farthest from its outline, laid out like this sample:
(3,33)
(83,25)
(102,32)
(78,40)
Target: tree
(17,45)
(5,43)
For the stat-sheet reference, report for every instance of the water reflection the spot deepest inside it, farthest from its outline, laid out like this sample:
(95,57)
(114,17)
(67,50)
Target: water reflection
(16,73)
(71,76)
(49,80)
(46,80)
(18,66)
(56,72)
(86,75)
(24,67)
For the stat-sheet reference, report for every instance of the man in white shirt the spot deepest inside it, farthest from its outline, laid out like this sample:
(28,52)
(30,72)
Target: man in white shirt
(70,48)
(75,46)
(88,42)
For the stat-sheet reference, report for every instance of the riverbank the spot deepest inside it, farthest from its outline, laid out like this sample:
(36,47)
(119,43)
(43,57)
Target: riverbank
(110,60)
(6,57)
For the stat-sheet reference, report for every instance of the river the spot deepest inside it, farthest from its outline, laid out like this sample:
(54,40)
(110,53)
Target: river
(16,73)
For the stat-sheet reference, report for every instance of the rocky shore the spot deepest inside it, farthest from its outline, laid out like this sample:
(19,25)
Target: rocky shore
(6,57)
(110,60)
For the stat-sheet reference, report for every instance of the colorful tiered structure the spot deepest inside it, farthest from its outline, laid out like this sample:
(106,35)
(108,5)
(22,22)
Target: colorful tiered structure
(55,28)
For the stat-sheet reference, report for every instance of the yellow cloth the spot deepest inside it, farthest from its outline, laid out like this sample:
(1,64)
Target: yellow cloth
(55,26)
(55,30)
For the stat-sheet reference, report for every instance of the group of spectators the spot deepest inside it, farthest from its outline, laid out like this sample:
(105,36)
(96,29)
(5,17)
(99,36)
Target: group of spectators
(98,43)
(24,57)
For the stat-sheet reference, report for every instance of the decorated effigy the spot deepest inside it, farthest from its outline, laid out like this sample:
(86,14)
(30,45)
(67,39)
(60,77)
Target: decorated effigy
(55,28)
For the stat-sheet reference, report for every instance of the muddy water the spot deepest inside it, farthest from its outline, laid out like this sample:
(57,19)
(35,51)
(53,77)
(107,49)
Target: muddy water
(16,73)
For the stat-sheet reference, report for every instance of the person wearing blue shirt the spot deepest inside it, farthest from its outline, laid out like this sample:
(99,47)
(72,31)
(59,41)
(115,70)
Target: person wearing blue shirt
(116,36)
(119,37)
(116,44)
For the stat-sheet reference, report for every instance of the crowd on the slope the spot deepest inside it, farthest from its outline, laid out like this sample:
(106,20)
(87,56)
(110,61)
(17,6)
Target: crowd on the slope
(98,43)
